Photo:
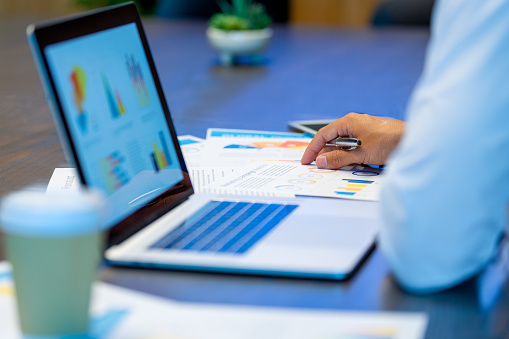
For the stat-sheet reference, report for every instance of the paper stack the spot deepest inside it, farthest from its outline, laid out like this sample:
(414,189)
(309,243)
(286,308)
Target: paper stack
(243,162)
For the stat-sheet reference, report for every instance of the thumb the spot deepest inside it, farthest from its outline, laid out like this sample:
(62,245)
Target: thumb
(336,159)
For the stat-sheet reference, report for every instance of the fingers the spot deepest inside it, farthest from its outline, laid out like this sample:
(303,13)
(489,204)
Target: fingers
(379,136)
(324,135)
(337,159)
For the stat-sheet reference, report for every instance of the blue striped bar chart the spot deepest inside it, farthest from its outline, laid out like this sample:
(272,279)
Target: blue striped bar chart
(351,187)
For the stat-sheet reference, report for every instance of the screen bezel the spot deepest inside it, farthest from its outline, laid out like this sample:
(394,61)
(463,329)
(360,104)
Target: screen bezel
(44,34)
(308,126)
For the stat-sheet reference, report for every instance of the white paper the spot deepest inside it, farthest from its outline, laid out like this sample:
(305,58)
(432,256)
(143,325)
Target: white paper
(351,182)
(237,148)
(63,179)
(204,179)
(192,150)
(201,178)
(211,163)
(213,133)
(119,313)
(189,139)
(204,176)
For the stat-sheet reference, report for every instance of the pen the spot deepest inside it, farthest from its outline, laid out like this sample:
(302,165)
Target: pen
(346,144)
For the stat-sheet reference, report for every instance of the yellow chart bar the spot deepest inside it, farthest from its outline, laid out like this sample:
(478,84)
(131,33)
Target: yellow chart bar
(6,290)
(357,185)
(159,161)
(163,159)
(121,108)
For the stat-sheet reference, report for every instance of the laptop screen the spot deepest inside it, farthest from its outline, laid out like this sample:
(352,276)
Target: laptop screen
(115,116)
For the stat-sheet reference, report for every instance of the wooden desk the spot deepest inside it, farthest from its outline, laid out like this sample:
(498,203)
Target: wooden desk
(310,73)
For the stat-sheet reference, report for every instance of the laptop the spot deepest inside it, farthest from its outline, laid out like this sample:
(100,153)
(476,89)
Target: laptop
(115,127)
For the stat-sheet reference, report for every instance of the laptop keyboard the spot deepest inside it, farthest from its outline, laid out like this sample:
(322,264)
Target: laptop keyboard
(225,226)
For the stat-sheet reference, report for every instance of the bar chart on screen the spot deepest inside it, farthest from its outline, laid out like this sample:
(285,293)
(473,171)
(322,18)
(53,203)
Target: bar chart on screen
(161,158)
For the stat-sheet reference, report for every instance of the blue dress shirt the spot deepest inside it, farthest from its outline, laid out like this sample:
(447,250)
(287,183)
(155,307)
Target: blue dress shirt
(444,205)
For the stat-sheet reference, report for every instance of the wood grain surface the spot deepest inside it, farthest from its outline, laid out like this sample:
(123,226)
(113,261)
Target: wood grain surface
(29,146)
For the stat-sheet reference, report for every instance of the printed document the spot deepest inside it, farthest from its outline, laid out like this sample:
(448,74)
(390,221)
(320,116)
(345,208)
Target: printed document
(351,182)
(237,148)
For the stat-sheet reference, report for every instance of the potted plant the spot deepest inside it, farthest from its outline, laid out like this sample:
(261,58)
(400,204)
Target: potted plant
(241,29)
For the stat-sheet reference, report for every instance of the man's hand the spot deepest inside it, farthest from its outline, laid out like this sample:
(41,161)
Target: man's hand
(379,137)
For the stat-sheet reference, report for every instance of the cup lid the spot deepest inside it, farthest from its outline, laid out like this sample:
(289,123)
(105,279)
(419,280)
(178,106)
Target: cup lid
(37,213)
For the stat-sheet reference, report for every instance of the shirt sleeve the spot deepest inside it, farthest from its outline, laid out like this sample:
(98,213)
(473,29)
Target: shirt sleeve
(447,187)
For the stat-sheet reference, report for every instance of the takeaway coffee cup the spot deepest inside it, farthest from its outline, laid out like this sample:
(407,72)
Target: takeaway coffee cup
(54,245)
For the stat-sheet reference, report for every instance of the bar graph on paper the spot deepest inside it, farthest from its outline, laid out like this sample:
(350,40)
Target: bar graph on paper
(290,177)
(352,187)
(290,144)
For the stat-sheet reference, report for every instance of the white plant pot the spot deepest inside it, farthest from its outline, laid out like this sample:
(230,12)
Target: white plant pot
(230,44)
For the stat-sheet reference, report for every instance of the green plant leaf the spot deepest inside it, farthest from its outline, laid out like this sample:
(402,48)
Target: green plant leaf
(228,22)
(240,15)
(225,6)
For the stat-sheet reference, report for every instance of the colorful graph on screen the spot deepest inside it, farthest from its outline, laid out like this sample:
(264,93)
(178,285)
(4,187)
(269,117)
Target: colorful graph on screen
(160,157)
(272,144)
(78,81)
(113,171)
(113,98)
(137,80)
(352,186)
